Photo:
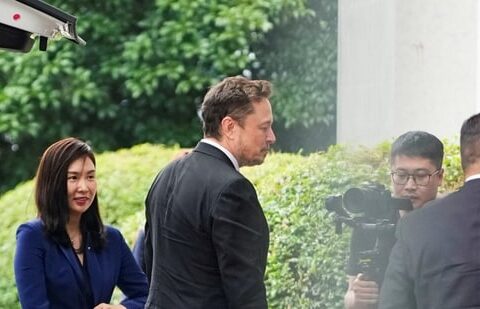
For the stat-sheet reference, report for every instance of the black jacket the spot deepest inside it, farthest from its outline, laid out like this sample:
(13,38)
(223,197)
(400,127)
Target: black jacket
(435,262)
(206,236)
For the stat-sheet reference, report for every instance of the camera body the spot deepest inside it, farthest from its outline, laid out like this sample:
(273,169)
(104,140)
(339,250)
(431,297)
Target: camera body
(374,202)
(372,213)
(21,21)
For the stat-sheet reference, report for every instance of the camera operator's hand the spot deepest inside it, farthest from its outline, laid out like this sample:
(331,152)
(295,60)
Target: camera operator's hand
(361,294)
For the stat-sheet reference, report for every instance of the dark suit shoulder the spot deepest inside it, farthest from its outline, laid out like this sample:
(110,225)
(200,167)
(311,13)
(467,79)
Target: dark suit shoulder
(431,209)
(419,227)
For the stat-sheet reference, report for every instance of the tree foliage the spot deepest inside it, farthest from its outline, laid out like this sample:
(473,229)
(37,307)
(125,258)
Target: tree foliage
(145,68)
(301,61)
(300,57)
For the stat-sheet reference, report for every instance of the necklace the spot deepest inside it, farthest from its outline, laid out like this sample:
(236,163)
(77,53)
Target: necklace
(79,249)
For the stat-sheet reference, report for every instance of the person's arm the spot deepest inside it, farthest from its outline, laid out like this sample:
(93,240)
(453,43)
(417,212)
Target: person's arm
(361,293)
(240,238)
(29,268)
(397,290)
(139,249)
(132,280)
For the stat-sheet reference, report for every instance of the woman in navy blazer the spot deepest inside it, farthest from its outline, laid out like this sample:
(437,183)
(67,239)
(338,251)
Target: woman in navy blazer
(67,258)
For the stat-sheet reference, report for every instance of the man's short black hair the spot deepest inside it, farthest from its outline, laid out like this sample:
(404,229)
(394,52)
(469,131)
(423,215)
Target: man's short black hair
(418,144)
(470,141)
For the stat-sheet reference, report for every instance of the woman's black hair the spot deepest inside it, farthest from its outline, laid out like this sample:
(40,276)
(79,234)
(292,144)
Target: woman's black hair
(51,194)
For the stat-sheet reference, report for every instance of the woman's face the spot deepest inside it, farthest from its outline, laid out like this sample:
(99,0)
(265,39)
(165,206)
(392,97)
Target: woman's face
(81,185)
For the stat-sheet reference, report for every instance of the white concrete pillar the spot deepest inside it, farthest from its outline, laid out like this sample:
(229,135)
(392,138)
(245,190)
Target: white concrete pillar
(406,65)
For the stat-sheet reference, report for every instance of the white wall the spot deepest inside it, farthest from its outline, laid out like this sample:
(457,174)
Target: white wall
(406,65)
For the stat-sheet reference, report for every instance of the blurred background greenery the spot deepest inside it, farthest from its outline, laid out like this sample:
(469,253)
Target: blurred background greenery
(306,260)
(147,64)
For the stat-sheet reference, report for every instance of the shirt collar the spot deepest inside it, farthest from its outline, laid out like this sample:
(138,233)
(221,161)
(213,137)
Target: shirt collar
(473,177)
(224,150)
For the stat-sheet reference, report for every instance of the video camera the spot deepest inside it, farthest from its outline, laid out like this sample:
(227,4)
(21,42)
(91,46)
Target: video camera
(372,211)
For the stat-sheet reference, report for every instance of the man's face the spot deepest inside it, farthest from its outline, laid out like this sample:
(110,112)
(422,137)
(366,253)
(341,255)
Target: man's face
(254,135)
(405,166)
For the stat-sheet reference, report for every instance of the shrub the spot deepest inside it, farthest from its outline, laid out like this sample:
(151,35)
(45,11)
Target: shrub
(306,259)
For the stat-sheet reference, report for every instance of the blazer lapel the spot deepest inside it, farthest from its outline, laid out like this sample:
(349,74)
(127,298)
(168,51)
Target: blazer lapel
(94,271)
(74,264)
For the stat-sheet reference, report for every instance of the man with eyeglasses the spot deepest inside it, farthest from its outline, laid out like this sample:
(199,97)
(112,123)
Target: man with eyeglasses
(435,262)
(416,173)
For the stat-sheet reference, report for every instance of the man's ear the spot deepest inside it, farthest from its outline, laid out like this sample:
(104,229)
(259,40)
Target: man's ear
(228,127)
(440,176)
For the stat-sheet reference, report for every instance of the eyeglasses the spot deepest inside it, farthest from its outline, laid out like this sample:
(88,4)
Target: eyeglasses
(420,178)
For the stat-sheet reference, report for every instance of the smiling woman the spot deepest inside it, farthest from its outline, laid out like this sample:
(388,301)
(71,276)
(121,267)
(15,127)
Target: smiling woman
(67,258)
(81,189)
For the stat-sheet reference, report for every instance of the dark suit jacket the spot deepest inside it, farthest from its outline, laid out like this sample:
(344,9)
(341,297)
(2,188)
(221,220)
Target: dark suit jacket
(436,260)
(206,236)
(49,276)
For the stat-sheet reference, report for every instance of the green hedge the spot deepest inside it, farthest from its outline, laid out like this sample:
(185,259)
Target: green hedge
(306,258)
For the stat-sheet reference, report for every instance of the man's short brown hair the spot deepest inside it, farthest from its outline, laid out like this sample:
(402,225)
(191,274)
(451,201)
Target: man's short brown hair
(232,97)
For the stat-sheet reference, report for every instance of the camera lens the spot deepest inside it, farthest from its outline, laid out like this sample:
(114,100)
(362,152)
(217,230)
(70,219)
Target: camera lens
(355,200)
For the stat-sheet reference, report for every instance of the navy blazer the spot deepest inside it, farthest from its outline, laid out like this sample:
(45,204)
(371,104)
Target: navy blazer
(49,275)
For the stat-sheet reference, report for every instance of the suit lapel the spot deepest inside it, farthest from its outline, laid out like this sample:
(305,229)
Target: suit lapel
(72,260)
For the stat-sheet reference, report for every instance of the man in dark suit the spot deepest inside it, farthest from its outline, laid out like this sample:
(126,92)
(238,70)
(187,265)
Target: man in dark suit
(206,235)
(435,262)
